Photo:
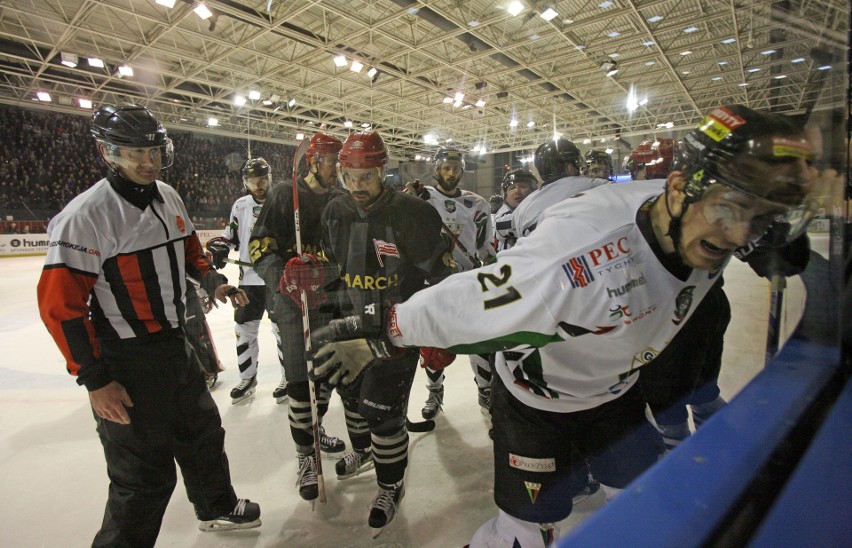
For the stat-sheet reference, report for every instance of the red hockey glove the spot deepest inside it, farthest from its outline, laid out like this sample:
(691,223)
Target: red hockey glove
(305,273)
(436,358)
(219,248)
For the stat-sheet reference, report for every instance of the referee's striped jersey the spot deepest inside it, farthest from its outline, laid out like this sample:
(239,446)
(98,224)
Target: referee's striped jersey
(116,268)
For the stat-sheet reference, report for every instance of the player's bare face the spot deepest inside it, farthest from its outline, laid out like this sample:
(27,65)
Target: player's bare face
(364,185)
(449,175)
(140,165)
(258,187)
(326,170)
(516,193)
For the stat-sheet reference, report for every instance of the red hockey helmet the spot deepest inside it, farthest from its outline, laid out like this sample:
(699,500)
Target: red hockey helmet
(322,143)
(363,150)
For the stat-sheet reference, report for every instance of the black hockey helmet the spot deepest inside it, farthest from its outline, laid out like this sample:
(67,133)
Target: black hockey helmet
(449,154)
(130,126)
(596,157)
(518,176)
(552,157)
(255,167)
(756,153)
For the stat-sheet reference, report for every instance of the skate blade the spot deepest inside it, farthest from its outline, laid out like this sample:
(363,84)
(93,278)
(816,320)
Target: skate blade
(332,454)
(247,397)
(282,399)
(377,531)
(214,526)
(358,472)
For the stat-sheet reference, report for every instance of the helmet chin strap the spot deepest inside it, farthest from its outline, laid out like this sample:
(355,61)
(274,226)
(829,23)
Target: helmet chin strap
(675,223)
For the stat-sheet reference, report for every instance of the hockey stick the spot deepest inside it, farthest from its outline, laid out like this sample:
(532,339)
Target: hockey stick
(306,322)
(238,262)
(477,262)
(810,95)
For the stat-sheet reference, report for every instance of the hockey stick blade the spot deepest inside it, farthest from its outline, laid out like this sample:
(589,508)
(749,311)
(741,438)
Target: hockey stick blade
(423,426)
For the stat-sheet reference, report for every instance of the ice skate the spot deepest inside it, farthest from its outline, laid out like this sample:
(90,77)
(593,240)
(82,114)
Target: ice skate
(307,478)
(385,505)
(244,390)
(484,401)
(592,486)
(245,515)
(354,463)
(433,403)
(280,393)
(331,446)
(211,379)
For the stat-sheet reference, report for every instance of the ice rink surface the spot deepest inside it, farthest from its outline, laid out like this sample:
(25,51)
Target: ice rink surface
(54,482)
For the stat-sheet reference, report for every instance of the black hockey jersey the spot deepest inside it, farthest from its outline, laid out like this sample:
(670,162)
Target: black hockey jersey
(387,252)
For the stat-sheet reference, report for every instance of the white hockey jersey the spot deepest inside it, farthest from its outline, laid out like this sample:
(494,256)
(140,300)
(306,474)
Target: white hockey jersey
(468,217)
(528,212)
(575,316)
(504,233)
(243,216)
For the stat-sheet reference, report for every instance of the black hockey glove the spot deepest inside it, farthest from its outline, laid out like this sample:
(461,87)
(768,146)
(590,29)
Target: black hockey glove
(346,346)
(219,248)
(767,258)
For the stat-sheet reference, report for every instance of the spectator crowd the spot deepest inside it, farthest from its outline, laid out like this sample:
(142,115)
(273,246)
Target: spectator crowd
(47,159)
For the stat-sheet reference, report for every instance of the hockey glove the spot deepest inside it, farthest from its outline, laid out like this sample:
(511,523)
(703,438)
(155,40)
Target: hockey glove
(341,361)
(436,358)
(371,325)
(219,248)
(305,273)
(767,259)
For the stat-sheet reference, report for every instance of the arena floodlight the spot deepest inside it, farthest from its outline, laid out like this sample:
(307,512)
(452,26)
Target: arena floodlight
(549,13)
(203,11)
(167,3)
(69,59)
(340,61)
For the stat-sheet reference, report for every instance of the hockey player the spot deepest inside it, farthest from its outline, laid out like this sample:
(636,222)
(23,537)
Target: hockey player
(386,244)
(598,164)
(516,186)
(558,163)
(466,219)
(257,180)
(112,296)
(576,318)
(272,244)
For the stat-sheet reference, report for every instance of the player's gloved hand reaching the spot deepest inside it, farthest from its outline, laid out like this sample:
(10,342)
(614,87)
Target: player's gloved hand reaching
(219,248)
(351,343)
(771,255)
(304,273)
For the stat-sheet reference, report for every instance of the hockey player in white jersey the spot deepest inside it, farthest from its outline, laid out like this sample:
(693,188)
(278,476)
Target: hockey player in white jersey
(576,317)
(558,164)
(516,186)
(466,218)
(257,180)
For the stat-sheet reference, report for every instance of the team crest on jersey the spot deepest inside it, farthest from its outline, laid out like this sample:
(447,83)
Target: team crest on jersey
(385,248)
(180,224)
(532,490)
(578,271)
(450,206)
(255,210)
(467,203)
(683,303)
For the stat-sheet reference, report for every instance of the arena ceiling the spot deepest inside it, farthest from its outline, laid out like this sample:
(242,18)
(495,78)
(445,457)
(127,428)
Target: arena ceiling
(683,56)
